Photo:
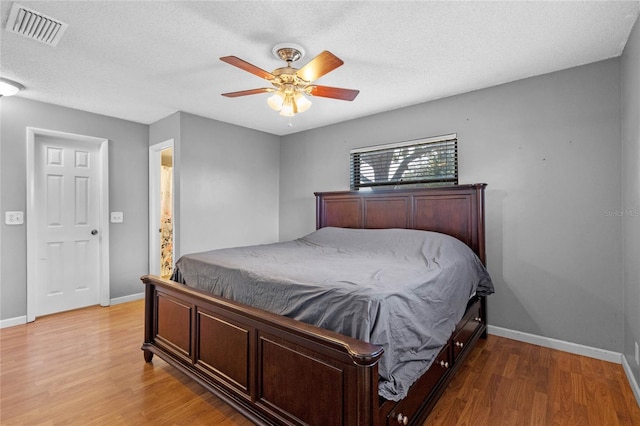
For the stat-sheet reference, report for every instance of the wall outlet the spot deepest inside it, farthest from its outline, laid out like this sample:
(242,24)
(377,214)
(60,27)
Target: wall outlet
(117,217)
(14,218)
(637,354)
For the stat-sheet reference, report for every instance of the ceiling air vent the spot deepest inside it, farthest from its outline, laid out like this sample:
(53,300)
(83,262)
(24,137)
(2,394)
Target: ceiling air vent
(35,25)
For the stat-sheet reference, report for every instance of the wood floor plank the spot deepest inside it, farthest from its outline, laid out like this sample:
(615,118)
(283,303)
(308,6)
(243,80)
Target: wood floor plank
(538,409)
(86,368)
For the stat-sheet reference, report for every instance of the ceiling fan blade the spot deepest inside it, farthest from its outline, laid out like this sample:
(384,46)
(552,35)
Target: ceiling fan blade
(248,92)
(244,65)
(333,92)
(322,64)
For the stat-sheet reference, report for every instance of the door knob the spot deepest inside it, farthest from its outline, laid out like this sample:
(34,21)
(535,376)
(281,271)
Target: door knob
(94,232)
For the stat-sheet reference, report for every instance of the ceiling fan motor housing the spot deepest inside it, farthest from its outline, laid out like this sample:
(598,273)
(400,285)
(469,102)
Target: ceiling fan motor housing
(288,52)
(287,76)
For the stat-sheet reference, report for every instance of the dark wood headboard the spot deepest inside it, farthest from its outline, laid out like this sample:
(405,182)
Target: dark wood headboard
(454,210)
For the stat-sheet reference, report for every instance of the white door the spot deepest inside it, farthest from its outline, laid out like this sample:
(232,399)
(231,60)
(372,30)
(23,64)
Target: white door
(67,198)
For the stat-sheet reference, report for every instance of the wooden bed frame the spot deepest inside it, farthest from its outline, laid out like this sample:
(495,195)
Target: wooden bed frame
(276,370)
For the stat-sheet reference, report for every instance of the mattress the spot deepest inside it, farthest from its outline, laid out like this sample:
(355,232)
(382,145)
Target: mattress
(402,289)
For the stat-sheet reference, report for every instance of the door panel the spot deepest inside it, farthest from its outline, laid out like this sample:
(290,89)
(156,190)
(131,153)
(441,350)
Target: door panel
(67,202)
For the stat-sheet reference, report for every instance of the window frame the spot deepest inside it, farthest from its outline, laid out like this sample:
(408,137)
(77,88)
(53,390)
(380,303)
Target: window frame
(449,142)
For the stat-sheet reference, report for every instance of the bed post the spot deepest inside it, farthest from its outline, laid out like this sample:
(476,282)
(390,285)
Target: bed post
(482,253)
(149,306)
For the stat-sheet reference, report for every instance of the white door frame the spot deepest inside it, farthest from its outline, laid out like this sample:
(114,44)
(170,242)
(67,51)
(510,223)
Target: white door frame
(32,213)
(155,155)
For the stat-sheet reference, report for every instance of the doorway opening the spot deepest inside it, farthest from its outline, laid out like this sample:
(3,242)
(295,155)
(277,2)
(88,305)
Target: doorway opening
(166,212)
(161,212)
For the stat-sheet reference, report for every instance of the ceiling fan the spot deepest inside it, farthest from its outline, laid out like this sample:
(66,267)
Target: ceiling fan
(291,84)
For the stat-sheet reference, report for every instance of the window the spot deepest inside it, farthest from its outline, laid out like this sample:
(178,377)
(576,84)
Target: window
(422,162)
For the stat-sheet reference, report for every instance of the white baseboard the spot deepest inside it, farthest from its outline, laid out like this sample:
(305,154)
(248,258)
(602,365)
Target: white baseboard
(631,378)
(10,322)
(560,345)
(573,348)
(129,298)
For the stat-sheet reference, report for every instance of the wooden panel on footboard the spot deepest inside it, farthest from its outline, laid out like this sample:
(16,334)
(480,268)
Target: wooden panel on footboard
(273,369)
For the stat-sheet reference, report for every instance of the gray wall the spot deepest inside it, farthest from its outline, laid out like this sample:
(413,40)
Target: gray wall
(549,148)
(128,189)
(228,180)
(229,184)
(631,194)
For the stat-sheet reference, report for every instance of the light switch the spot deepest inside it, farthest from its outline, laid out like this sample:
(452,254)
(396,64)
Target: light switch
(14,218)
(117,217)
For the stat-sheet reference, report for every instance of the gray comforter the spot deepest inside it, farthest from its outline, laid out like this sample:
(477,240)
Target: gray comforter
(402,289)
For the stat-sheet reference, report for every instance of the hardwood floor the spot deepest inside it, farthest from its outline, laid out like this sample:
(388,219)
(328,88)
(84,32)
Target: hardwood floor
(505,382)
(85,367)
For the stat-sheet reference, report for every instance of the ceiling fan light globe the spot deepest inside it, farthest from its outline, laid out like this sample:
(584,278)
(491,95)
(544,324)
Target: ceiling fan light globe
(287,110)
(302,102)
(275,101)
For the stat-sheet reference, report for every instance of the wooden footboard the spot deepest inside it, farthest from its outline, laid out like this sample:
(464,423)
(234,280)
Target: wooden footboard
(276,370)
(273,369)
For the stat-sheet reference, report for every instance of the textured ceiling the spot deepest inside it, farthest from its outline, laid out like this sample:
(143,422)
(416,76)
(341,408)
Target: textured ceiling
(144,60)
